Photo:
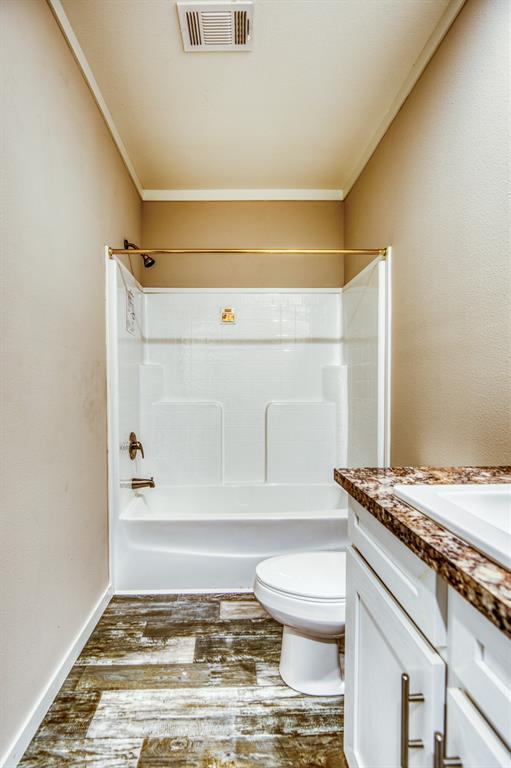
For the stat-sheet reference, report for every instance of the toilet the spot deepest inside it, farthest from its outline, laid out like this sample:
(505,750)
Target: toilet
(306,592)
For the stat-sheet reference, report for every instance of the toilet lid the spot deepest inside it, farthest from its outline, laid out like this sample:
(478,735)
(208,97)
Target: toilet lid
(319,575)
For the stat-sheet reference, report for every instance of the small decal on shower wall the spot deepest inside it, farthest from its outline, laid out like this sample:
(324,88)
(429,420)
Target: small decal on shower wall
(131,317)
(227,315)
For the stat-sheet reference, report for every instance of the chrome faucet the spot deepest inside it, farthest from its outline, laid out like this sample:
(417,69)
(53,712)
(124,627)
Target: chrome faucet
(141,482)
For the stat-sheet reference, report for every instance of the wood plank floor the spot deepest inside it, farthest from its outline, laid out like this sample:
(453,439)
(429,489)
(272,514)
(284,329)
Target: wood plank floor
(185,680)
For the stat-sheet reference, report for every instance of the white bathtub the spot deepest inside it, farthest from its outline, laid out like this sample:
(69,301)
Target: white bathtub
(208,538)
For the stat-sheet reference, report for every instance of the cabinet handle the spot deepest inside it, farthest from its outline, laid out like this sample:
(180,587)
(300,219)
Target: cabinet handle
(439,758)
(406,698)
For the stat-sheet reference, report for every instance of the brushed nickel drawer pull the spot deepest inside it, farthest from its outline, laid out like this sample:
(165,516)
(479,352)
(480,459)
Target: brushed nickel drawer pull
(439,758)
(406,699)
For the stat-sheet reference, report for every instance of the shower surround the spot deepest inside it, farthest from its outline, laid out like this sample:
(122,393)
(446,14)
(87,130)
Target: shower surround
(242,424)
(245,402)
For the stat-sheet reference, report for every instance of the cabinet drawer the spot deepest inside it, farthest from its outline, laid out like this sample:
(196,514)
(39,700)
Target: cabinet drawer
(418,589)
(480,663)
(469,736)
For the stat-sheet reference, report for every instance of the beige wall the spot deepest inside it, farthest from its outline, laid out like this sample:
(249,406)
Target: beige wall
(67,194)
(239,225)
(437,189)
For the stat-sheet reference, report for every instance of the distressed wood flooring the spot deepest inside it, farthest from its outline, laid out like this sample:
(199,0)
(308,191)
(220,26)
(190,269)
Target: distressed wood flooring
(185,680)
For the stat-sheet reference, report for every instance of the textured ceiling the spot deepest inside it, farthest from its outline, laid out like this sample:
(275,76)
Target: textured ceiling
(296,112)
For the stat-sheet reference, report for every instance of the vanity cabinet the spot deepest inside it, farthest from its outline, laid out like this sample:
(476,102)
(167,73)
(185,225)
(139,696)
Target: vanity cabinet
(469,735)
(479,662)
(417,589)
(395,682)
(428,678)
(479,658)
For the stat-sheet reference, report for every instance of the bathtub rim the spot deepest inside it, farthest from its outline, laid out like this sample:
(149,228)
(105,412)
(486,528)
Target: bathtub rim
(142,500)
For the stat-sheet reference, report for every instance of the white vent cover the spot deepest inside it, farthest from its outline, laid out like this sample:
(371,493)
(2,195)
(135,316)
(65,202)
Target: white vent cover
(212,26)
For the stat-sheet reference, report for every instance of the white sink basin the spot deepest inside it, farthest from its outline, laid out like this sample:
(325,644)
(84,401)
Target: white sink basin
(479,514)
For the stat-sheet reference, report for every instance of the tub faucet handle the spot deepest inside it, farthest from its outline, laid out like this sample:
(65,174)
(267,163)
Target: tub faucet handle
(134,446)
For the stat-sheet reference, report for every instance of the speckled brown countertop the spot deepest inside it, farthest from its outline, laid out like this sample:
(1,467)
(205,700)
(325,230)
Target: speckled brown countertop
(486,585)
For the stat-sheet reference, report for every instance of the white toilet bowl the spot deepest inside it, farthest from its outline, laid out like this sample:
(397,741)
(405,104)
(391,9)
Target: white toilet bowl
(306,593)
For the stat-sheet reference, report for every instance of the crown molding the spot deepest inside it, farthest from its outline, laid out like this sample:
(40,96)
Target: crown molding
(422,61)
(241,194)
(59,13)
(438,34)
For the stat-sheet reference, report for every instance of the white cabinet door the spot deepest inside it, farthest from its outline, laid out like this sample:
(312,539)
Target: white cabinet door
(479,662)
(382,644)
(469,736)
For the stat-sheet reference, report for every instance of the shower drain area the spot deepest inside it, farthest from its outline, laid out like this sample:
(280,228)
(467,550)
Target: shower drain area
(185,680)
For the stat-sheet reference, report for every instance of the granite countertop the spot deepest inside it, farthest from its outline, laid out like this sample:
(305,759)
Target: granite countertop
(486,585)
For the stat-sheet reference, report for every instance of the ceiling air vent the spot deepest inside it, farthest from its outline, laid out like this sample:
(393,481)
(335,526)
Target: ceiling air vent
(212,26)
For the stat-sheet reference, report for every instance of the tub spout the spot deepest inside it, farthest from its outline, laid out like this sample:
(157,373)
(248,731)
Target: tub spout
(141,482)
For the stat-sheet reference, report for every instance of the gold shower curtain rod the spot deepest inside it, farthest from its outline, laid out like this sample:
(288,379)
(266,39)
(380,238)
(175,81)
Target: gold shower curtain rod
(382,252)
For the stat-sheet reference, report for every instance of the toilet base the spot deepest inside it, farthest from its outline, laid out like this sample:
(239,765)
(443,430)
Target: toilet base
(310,665)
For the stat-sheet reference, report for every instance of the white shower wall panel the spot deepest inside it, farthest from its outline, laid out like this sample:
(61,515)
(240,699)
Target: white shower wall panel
(361,325)
(129,358)
(187,443)
(301,441)
(276,351)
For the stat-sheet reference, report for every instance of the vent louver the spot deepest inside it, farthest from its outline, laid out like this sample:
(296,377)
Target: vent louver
(212,26)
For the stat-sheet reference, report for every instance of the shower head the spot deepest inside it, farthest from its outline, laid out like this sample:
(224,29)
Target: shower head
(148,260)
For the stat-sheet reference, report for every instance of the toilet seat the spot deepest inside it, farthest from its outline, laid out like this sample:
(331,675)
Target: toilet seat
(309,576)
(306,593)
(325,601)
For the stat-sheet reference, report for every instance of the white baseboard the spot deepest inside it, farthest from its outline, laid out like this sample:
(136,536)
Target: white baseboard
(33,721)
(26,733)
